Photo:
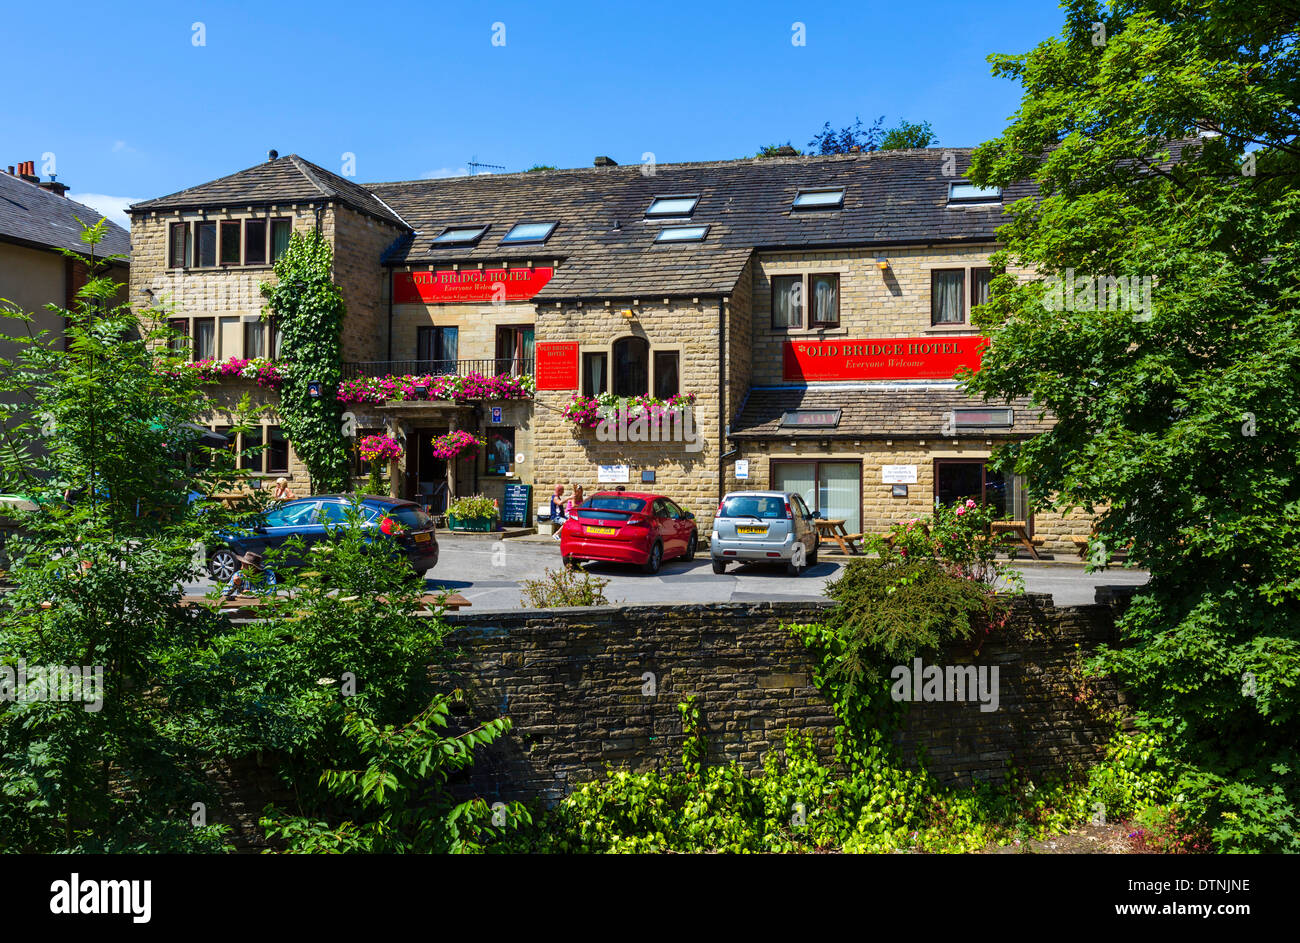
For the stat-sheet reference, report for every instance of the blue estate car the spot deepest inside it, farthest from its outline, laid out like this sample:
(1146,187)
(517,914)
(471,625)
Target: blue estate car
(404,522)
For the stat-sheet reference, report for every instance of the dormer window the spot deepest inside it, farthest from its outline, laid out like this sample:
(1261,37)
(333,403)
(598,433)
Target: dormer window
(963,192)
(528,232)
(827,198)
(678,205)
(682,234)
(459,236)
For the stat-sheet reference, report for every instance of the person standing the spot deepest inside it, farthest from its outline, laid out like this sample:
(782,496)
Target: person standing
(557,511)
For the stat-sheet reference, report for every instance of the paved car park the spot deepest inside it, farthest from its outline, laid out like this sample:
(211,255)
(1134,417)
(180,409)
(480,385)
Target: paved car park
(488,573)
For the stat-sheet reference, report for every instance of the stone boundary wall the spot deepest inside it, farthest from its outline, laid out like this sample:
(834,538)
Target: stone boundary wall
(572,682)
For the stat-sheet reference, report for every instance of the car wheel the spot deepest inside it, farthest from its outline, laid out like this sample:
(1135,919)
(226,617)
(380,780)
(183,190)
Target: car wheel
(692,545)
(719,565)
(812,557)
(655,559)
(222,565)
(569,562)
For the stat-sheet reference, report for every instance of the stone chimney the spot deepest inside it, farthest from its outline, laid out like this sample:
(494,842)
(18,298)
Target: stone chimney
(27,171)
(605,162)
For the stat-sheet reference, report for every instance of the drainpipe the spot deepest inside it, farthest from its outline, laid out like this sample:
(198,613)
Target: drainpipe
(389,286)
(722,395)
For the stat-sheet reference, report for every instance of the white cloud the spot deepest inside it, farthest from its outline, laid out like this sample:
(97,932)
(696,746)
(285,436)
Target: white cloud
(120,147)
(445,172)
(114,207)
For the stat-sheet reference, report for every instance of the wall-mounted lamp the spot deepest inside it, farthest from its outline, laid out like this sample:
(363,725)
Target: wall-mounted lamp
(313,389)
(628,314)
(882,263)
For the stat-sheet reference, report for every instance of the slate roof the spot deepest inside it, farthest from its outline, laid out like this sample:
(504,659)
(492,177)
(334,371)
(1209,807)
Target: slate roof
(289,179)
(39,218)
(876,413)
(607,244)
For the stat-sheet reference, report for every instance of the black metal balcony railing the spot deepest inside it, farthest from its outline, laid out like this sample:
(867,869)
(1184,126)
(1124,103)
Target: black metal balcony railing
(505,366)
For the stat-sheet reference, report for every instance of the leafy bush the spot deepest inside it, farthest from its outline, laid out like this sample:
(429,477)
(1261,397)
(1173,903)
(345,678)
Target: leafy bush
(933,583)
(860,801)
(395,810)
(474,506)
(564,587)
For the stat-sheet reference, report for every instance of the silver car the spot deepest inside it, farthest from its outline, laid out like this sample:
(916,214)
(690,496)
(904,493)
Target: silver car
(764,527)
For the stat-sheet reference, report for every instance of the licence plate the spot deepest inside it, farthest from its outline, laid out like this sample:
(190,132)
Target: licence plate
(421,538)
(602,530)
(752,530)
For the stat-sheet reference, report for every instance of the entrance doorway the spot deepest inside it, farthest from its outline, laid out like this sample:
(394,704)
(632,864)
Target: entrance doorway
(426,476)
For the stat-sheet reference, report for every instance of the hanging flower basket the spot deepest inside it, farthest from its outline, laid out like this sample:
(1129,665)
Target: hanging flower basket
(379,448)
(454,444)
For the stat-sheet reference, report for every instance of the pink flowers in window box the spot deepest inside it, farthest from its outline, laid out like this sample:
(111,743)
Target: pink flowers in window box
(456,389)
(588,411)
(264,372)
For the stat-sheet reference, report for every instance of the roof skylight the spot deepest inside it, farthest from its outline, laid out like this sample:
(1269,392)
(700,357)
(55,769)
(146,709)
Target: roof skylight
(528,232)
(459,235)
(682,234)
(821,199)
(678,205)
(963,192)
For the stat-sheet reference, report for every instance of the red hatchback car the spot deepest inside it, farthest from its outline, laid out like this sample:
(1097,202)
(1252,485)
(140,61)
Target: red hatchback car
(628,527)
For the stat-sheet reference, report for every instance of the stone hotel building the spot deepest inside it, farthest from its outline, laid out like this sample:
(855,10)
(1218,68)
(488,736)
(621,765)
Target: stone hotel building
(815,308)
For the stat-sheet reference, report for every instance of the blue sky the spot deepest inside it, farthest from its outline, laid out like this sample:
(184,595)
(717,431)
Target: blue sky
(131,107)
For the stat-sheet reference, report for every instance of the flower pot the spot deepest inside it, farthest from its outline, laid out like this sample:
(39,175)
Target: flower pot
(479,524)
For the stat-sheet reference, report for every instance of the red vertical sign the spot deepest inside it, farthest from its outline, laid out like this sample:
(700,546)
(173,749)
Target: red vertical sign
(557,365)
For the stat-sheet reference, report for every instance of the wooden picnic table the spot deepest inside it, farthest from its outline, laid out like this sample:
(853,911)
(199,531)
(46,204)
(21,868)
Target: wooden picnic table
(1015,531)
(833,529)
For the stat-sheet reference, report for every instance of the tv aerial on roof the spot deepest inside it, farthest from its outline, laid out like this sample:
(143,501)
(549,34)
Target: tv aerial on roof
(474,165)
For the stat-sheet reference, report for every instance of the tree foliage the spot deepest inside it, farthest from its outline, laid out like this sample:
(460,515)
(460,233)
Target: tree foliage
(908,135)
(1178,420)
(310,310)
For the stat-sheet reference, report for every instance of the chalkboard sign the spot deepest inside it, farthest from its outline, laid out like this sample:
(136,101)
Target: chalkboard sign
(517,504)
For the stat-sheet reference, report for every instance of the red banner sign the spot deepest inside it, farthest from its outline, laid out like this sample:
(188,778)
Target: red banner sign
(557,365)
(447,287)
(882,358)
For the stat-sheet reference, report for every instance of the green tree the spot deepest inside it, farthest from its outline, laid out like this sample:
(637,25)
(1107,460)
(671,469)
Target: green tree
(105,764)
(310,310)
(1174,390)
(777,150)
(907,135)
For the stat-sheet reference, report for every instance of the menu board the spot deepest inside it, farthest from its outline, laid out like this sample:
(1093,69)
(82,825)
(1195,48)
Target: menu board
(517,504)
